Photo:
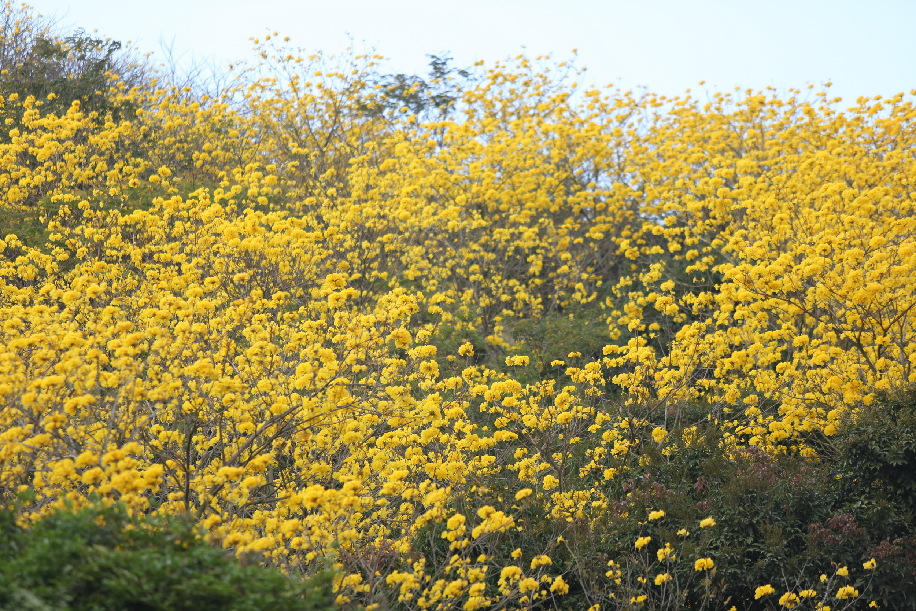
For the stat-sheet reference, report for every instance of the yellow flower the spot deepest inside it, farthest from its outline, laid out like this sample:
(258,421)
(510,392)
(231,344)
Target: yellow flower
(550,482)
(559,585)
(789,600)
(703,564)
(401,337)
(842,571)
(762,591)
(642,542)
(456,521)
(870,565)
(517,360)
(707,522)
(540,560)
(656,515)
(510,572)
(847,592)
(662,578)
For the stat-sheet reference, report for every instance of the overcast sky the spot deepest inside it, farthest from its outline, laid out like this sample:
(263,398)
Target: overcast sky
(865,47)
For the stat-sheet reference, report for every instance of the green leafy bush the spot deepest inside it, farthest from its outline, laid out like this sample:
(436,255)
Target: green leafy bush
(100,558)
(783,520)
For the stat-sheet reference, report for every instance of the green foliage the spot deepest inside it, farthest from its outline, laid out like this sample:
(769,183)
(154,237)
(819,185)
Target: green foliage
(101,558)
(433,97)
(557,334)
(874,455)
(76,68)
(25,225)
(878,448)
(59,70)
(783,520)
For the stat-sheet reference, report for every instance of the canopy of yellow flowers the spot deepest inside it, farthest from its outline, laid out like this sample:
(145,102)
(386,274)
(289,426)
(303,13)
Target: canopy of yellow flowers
(297,314)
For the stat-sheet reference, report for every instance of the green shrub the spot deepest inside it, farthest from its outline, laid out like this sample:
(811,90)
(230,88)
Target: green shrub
(100,558)
(877,448)
(874,462)
(783,520)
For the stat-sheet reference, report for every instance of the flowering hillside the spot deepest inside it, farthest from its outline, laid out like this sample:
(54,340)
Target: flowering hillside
(486,339)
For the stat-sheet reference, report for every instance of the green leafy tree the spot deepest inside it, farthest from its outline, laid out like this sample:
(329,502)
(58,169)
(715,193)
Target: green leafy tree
(430,98)
(38,61)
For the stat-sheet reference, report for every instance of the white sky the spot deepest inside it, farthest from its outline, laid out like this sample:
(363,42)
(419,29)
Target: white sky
(865,47)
